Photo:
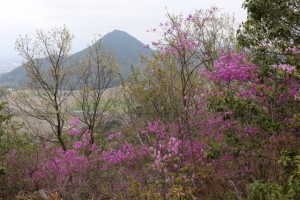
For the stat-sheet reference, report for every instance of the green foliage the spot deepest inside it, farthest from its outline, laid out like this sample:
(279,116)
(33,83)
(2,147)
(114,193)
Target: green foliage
(271,27)
(4,116)
(287,189)
(10,135)
(266,191)
(2,171)
(155,91)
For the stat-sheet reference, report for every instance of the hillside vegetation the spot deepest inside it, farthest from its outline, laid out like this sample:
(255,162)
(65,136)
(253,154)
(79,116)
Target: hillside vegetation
(208,116)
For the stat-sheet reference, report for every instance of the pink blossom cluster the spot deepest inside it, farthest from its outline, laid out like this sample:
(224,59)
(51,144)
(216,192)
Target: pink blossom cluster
(126,154)
(116,135)
(291,49)
(74,130)
(180,36)
(287,68)
(231,67)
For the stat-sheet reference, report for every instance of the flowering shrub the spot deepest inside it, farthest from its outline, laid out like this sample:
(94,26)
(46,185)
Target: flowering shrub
(232,67)
(76,170)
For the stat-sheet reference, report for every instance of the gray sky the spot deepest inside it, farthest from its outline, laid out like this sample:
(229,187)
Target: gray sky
(85,18)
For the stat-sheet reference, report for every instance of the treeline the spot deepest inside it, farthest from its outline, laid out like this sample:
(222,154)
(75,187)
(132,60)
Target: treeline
(213,115)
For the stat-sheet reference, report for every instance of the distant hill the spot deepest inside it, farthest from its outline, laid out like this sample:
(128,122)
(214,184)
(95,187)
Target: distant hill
(125,47)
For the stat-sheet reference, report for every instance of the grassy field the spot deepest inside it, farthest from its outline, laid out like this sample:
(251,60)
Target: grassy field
(71,106)
(114,105)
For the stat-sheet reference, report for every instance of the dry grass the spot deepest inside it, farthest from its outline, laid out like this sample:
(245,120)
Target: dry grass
(42,128)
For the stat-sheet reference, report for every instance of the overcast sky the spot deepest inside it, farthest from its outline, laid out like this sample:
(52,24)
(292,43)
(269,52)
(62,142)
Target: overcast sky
(85,18)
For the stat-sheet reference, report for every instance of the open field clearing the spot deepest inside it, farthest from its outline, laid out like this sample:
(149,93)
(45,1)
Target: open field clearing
(71,106)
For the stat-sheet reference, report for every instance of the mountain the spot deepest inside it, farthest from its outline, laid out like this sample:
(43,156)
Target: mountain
(125,47)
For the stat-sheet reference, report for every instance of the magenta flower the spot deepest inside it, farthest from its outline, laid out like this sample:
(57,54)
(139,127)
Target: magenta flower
(77,145)
(287,68)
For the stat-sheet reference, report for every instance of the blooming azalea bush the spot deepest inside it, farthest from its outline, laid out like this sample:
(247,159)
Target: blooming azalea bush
(238,125)
(261,103)
(231,123)
(79,168)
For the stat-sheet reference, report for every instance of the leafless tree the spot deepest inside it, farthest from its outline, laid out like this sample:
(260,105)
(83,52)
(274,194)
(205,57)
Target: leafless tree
(50,82)
(96,72)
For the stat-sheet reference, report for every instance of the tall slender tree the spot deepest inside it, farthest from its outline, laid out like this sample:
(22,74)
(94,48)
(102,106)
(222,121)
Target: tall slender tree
(47,67)
(96,72)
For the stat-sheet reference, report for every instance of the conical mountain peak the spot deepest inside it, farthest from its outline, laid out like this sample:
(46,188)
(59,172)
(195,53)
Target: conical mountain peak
(126,48)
